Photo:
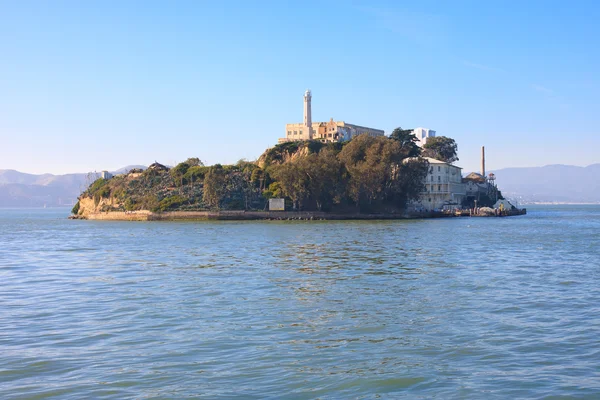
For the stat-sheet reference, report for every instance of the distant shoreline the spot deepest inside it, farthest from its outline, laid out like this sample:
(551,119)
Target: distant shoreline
(559,203)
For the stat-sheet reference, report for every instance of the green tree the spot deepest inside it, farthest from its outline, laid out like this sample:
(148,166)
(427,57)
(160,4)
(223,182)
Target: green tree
(258,178)
(408,141)
(324,172)
(381,171)
(441,148)
(171,202)
(178,172)
(293,181)
(274,191)
(194,162)
(409,181)
(362,158)
(214,186)
(195,174)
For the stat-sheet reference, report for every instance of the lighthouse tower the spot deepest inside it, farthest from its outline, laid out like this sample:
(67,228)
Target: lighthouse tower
(308,114)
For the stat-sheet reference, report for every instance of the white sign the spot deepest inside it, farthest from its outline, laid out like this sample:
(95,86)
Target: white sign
(276,205)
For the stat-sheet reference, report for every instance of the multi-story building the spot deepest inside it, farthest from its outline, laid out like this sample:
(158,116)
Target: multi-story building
(332,131)
(422,135)
(443,187)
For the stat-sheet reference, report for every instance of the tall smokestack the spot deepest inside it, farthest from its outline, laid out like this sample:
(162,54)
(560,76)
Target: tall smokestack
(483,161)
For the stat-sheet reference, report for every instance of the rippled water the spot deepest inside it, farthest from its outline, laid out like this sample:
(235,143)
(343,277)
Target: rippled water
(451,308)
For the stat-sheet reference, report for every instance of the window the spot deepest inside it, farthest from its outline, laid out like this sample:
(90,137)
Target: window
(439,168)
(330,135)
(439,188)
(431,178)
(289,133)
(295,132)
(439,178)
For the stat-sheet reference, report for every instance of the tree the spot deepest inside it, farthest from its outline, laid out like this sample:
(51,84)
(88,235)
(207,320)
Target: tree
(293,181)
(214,186)
(441,148)
(409,181)
(194,162)
(258,178)
(408,141)
(382,171)
(324,173)
(274,191)
(368,161)
(178,172)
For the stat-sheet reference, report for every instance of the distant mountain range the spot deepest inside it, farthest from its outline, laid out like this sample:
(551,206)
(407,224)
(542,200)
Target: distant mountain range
(18,189)
(552,183)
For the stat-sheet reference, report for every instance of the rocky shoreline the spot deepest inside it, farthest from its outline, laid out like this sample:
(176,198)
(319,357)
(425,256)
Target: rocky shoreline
(260,215)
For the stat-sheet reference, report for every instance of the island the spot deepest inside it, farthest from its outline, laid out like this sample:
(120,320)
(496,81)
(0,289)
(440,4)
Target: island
(366,177)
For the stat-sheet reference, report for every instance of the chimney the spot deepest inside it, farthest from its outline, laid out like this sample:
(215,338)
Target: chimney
(483,161)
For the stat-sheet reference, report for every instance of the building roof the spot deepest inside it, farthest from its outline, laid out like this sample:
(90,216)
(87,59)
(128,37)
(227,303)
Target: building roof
(435,161)
(158,167)
(431,161)
(476,177)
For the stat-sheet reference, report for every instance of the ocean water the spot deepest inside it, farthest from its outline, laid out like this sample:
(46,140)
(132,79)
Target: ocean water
(449,308)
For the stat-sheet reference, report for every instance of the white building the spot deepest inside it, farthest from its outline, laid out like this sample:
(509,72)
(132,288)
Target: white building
(422,135)
(443,187)
(332,131)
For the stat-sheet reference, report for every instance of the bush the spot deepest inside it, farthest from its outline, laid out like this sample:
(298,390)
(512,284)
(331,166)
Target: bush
(75,209)
(98,183)
(195,174)
(171,202)
(130,204)
(103,192)
(179,171)
(274,191)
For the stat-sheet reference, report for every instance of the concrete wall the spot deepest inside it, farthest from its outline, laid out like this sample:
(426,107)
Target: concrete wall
(296,132)
(234,216)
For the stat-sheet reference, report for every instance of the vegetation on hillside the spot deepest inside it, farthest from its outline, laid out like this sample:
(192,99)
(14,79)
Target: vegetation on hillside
(367,174)
(441,148)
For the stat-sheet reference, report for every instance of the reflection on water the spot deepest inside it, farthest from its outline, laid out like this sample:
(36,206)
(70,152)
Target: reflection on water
(460,308)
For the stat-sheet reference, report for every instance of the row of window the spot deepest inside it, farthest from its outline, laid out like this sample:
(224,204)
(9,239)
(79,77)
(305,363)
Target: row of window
(439,169)
(433,188)
(295,133)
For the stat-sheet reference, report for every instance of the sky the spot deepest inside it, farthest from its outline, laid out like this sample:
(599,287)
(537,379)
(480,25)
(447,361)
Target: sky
(98,85)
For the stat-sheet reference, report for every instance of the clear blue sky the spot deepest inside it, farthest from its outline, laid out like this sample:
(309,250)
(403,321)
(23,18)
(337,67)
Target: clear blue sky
(93,85)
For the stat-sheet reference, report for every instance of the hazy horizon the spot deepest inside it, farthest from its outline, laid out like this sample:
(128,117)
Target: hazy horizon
(100,86)
(464,171)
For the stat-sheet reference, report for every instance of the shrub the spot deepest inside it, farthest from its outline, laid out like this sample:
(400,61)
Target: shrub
(98,183)
(171,202)
(195,174)
(75,209)
(103,192)
(130,204)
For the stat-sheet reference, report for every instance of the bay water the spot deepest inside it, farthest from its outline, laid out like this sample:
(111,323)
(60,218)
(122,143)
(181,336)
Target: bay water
(442,308)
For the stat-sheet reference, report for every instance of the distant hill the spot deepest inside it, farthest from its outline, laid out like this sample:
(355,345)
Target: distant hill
(552,183)
(18,189)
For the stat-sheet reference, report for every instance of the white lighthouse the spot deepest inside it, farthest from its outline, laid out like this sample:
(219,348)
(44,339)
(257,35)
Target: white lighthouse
(308,114)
